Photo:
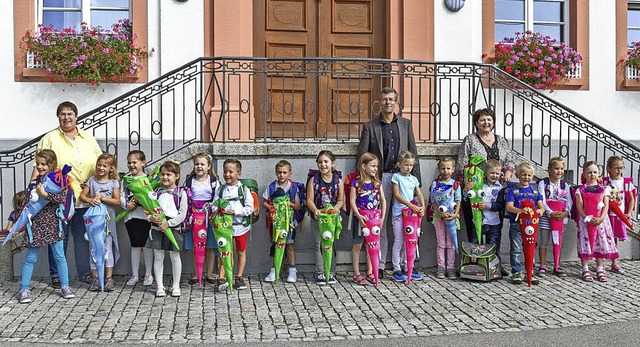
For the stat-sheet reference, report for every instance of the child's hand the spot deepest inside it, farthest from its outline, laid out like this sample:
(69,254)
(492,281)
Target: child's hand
(540,211)
(335,211)
(421,211)
(482,205)
(468,185)
(316,214)
(40,191)
(447,216)
(163,226)
(414,208)
(155,219)
(231,212)
(362,220)
(131,206)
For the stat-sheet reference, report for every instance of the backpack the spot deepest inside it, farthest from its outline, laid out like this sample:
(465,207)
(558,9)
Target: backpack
(177,194)
(563,186)
(502,196)
(337,176)
(354,176)
(188,184)
(250,187)
(628,192)
(479,262)
(296,188)
(429,211)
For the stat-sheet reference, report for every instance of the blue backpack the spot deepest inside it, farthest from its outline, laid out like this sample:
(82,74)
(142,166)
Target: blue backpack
(296,188)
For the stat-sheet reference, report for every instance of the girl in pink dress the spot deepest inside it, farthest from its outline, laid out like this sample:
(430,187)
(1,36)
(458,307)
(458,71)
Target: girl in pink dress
(595,237)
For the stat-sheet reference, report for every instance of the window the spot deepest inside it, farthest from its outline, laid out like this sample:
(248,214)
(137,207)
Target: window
(633,22)
(547,17)
(627,32)
(66,13)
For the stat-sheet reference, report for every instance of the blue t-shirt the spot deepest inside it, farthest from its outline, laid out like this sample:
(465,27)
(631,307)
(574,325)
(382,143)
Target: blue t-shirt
(526,193)
(407,186)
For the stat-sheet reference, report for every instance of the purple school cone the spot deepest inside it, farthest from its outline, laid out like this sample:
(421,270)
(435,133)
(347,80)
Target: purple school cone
(53,182)
(95,221)
(411,223)
(371,233)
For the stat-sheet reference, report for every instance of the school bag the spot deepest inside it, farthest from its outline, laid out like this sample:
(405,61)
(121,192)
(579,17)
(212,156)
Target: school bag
(185,226)
(501,200)
(348,181)
(479,262)
(188,184)
(337,176)
(296,188)
(250,187)
(563,186)
(430,209)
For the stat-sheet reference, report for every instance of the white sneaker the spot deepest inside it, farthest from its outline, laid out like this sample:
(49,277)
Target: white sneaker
(293,275)
(148,280)
(175,292)
(132,281)
(160,292)
(271,277)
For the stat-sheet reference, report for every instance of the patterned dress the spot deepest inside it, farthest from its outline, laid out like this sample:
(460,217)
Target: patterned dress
(600,244)
(45,224)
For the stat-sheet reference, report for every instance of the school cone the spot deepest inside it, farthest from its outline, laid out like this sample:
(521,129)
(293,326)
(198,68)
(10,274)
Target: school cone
(371,233)
(615,208)
(528,219)
(557,227)
(223,233)
(95,221)
(411,225)
(330,227)
(281,229)
(199,219)
(473,173)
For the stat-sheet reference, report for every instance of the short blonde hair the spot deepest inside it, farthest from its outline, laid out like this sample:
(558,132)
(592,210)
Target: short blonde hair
(492,164)
(553,161)
(523,166)
(447,160)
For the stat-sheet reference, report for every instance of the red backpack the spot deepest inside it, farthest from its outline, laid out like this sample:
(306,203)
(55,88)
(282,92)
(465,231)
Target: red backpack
(352,177)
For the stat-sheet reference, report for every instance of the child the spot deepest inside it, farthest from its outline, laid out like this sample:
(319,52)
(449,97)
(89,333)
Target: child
(137,223)
(446,167)
(325,189)
(405,187)
(366,194)
(202,182)
(103,188)
(515,195)
(19,200)
(595,237)
(624,193)
(45,230)
(230,190)
(554,188)
(283,175)
(175,215)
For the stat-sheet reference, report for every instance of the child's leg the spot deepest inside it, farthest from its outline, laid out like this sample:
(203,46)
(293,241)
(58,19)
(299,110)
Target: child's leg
(27,268)
(398,242)
(61,261)
(515,239)
(176,268)
(614,262)
(193,261)
(209,259)
(543,242)
(135,261)
(451,251)
(158,266)
(441,231)
(316,237)
(108,253)
(355,258)
(291,255)
(242,259)
(148,260)
(241,247)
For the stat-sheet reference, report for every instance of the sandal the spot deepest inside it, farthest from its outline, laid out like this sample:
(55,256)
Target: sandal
(371,278)
(359,279)
(193,281)
(602,276)
(560,272)
(586,276)
(616,269)
(212,280)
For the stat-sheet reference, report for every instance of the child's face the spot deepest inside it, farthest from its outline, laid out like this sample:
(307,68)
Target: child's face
(135,165)
(325,164)
(591,173)
(103,168)
(201,167)
(42,167)
(556,171)
(168,178)
(493,175)
(446,170)
(283,173)
(406,166)
(371,168)
(525,176)
(231,174)
(615,170)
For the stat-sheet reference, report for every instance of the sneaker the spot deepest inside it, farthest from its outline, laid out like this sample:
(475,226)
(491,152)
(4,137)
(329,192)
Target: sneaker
(516,278)
(332,279)
(451,274)
(542,271)
(239,283)
(399,277)
(504,272)
(615,268)
(108,286)
(175,292)
(95,285)
(67,293)
(24,296)
(440,274)
(148,280)
(321,280)
(293,275)
(535,280)
(132,281)
(415,276)
(55,283)
(160,292)
(271,277)
(222,285)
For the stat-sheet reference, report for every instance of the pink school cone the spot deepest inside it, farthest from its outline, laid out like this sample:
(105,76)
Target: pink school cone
(199,233)
(371,233)
(411,227)
(557,227)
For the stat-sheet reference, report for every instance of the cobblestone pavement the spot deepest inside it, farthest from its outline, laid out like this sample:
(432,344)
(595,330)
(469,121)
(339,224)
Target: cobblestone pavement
(305,311)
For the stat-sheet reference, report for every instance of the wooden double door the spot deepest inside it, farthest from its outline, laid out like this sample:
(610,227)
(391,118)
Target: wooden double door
(299,100)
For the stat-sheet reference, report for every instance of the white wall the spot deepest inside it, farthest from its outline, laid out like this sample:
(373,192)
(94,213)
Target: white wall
(175,32)
(458,35)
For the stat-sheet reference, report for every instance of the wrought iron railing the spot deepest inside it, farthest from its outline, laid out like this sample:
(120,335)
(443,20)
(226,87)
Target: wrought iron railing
(327,100)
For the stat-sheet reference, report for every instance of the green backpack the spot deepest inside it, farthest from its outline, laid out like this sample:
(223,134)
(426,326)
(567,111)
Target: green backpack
(252,187)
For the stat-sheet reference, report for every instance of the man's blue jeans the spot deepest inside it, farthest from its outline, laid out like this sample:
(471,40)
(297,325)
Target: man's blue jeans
(76,229)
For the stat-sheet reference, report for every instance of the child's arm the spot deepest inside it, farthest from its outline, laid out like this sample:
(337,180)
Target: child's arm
(84,197)
(114,200)
(340,202)
(383,206)
(541,208)
(247,209)
(418,193)
(182,213)
(631,203)
(511,208)
(310,203)
(354,207)
(396,195)
(604,213)
(295,204)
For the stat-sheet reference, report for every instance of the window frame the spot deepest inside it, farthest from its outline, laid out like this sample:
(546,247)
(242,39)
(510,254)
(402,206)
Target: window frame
(577,15)
(26,17)
(530,23)
(85,10)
